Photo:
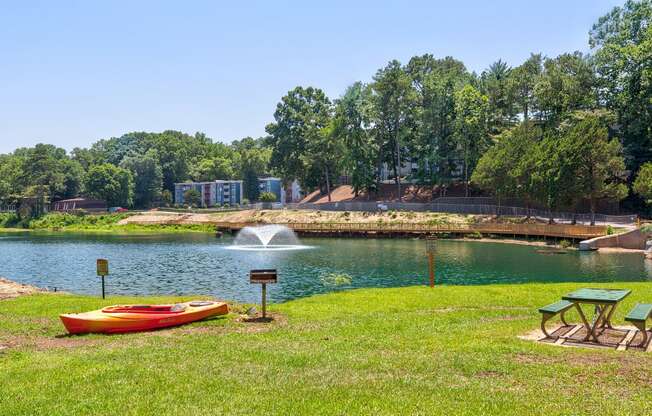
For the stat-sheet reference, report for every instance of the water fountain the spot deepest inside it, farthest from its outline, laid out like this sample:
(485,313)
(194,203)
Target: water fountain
(267,237)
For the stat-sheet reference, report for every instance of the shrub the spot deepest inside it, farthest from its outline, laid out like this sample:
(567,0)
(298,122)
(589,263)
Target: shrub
(245,201)
(9,219)
(267,197)
(192,197)
(476,235)
(610,230)
(564,244)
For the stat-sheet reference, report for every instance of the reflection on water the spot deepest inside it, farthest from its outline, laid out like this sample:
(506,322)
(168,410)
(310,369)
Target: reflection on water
(202,264)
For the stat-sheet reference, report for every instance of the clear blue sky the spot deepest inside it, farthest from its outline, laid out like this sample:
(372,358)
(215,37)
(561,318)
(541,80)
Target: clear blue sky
(75,72)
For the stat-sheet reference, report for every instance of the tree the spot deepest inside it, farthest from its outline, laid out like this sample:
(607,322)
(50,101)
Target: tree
(521,84)
(299,138)
(550,183)
(192,197)
(596,162)
(622,40)
(44,174)
(213,169)
(567,84)
(111,184)
(434,82)
(470,128)
(394,102)
(494,83)
(254,158)
(502,170)
(351,126)
(147,176)
(166,198)
(643,183)
(73,178)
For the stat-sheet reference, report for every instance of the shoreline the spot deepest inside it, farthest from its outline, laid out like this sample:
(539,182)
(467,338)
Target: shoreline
(168,230)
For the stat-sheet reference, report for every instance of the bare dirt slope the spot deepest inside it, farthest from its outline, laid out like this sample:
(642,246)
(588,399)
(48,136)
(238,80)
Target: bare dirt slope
(387,192)
(302,216)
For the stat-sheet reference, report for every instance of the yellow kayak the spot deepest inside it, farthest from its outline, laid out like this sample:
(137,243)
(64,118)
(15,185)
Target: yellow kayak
(130,318)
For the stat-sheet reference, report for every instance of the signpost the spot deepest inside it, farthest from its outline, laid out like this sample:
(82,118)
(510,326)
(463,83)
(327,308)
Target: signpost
(431,249)
(263,277)
(102,270)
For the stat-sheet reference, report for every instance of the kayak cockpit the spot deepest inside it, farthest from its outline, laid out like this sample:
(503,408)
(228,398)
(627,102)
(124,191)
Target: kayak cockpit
(176,308)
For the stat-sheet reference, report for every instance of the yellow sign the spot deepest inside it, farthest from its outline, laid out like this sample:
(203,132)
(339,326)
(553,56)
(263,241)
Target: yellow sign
(102,267)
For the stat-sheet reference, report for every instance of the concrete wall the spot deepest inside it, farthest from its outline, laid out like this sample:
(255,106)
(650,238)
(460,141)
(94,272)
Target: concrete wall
(634,239)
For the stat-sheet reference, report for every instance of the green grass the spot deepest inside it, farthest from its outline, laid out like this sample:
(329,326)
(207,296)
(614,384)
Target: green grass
(449,350)
(107,223)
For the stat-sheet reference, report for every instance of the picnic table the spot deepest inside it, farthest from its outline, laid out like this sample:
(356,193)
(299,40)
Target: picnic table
(605,300)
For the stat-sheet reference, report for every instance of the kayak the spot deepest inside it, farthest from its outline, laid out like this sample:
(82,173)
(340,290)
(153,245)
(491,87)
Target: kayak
(131,318)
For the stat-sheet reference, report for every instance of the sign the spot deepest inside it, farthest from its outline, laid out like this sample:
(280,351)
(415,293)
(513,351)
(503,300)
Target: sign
(431,245)
(263,276)
(102,267)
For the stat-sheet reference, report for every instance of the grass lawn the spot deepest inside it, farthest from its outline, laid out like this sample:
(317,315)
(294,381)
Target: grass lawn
(449,350)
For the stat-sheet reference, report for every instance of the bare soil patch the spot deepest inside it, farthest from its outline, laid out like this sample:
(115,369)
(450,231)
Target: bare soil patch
(299,216)
(9,289)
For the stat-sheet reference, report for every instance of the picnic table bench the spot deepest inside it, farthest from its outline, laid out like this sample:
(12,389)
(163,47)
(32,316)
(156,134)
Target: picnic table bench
(638,317)
(550,311)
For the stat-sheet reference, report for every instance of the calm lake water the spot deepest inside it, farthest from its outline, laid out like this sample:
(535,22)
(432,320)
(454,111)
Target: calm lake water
(200,264)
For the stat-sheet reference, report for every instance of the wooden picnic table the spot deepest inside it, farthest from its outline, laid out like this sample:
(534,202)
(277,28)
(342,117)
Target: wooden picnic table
(605,300)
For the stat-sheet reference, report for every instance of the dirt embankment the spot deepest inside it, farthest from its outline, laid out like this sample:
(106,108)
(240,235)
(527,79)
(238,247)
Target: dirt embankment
(304,216)
(9,289)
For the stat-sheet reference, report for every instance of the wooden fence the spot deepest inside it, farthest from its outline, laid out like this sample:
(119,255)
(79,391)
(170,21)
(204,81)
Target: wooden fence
(542,230)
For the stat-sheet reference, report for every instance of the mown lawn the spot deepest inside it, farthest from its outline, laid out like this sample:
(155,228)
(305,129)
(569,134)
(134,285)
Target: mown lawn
(449,350)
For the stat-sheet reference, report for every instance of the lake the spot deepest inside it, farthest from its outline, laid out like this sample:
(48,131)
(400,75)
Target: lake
(174,264)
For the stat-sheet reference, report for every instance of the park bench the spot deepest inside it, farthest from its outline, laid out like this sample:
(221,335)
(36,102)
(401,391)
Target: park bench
(550,311)
(639,316)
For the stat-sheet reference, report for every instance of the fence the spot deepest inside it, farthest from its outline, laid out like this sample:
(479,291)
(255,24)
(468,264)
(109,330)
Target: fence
(477,209)
(544,230)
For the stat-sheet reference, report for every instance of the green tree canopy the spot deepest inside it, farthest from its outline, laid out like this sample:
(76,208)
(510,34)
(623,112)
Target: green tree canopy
(299,138)
(622,40)
(643,183)
(111,184)
(147,176)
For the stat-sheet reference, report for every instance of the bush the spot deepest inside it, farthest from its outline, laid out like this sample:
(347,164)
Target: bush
(564,244)
(476,235)
(192,197)
(267,197)
(610,230)
(57,220)
(9,220)
(245,201)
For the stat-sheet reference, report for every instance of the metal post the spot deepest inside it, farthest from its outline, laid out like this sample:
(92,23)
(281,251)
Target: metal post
(103,287)
(431,268)
(264,300)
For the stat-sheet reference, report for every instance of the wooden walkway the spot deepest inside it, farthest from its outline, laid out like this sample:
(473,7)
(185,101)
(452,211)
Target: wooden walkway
(538,230)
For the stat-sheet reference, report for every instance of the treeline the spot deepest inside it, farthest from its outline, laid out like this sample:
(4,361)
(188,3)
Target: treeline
(134,170)
(552,131)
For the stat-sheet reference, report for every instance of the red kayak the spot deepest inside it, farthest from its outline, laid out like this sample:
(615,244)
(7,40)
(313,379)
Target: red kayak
(131,318)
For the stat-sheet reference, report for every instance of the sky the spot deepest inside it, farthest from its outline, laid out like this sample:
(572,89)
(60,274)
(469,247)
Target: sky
(74,72)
